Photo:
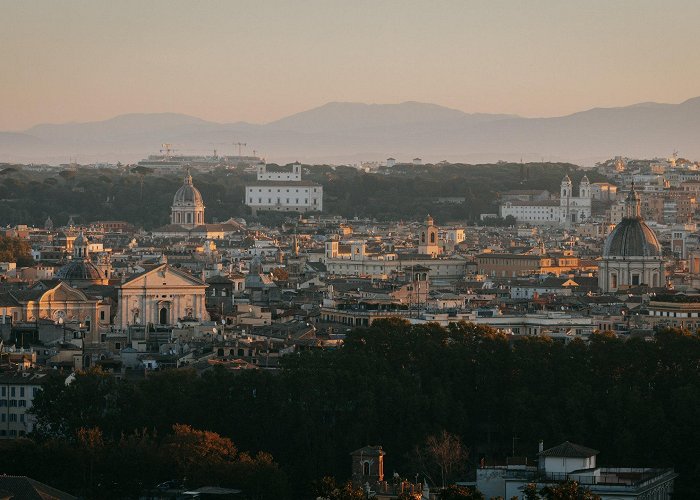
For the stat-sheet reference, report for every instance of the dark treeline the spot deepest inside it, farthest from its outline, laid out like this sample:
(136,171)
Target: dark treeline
(394,384)
(143,197)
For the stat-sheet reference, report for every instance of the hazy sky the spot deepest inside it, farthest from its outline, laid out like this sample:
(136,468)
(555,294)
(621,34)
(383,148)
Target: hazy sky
(63,60)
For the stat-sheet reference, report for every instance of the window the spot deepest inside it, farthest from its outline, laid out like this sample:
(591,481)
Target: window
(22,403)
(12,391)
(102,315)
(21,392)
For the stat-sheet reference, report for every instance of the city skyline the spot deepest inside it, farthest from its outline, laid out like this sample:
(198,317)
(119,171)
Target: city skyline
(238,61)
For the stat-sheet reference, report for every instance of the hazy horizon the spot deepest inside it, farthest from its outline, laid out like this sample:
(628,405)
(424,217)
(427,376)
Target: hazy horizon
(226,62)
(274,119)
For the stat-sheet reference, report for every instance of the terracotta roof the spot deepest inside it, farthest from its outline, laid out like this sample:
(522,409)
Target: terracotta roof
(569,450)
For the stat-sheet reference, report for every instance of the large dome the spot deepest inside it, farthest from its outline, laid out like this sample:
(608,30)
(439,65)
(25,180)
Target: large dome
(188,194)
(79,270)
(632,238)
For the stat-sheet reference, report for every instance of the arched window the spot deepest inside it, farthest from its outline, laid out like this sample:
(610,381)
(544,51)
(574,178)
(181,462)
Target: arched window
(432,237)
(163,316)
(189,218)
(365,468)
(422,237)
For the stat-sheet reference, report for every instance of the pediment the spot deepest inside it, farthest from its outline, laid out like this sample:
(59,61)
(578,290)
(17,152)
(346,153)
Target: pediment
(63,293)
(163,276)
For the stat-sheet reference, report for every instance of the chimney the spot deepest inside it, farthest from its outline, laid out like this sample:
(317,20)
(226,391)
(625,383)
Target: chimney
(541,446)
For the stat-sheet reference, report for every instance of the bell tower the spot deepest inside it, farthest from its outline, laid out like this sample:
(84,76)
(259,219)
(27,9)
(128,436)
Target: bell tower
(368,465)
(428,242)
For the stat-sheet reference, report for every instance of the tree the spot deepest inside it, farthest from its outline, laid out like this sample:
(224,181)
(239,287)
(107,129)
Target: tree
(199,456)
(206,458)
(456,492)
(15,250)
(444,452)
(329,489)
(568,490)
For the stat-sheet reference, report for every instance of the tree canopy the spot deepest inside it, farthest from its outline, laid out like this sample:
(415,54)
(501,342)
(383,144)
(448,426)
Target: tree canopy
(143,197)
(397,384)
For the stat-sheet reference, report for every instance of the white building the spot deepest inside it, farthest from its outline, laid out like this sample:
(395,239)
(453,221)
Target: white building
(282,189)
(17,392)
(573,462)
(569,209)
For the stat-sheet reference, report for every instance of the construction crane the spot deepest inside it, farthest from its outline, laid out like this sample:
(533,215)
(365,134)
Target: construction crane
(239,144)
(167,149)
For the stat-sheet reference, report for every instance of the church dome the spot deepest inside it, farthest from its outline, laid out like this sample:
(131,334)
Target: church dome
(188,194)
(632,238)
(79,270)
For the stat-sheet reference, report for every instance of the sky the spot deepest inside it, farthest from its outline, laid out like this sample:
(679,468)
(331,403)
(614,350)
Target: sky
(258,61)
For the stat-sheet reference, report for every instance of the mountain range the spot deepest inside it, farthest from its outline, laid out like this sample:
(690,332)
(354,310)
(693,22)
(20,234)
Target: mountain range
(344,132)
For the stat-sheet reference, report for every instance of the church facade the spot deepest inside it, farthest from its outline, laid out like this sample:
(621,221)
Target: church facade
(567,210)
(163,295)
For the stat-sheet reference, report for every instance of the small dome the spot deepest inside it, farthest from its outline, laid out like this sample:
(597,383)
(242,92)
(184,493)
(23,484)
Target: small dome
(632,238)
(79,271)
(188,194)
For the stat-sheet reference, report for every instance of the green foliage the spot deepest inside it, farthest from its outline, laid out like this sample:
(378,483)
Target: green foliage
(93,465)
(396,384)
(15,250)
(143,197)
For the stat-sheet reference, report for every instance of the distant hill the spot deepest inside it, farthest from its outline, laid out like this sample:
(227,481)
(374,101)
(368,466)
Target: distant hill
(341,132)
(345,116)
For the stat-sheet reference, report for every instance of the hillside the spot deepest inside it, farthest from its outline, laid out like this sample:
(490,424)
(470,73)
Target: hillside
(348,132)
